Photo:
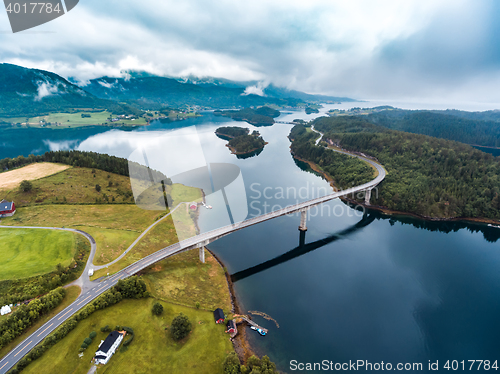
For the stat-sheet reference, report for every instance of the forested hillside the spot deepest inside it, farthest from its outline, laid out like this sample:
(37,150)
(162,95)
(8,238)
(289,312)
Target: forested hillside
(263,116)
(345,170)
(143,90)
(428,176)
(31,92)
(453,125)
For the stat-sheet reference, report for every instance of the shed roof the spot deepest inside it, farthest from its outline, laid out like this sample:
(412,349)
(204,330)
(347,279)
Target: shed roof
(108,343)
(5,205)
(218,314)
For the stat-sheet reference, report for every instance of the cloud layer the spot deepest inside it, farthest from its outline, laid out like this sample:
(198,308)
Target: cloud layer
(445,50)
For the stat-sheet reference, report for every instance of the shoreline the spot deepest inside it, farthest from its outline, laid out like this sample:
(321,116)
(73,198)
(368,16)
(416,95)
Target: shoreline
(388,211)
(233,150)
(240,342)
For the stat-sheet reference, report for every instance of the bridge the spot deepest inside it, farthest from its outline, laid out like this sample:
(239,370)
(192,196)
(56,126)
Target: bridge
(199,241)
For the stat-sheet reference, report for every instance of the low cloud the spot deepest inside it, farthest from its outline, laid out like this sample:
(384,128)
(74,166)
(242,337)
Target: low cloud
(46,89)
(361,49)
(257,89)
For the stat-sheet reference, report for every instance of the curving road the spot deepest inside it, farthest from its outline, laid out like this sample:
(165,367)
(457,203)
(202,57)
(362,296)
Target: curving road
(205,238)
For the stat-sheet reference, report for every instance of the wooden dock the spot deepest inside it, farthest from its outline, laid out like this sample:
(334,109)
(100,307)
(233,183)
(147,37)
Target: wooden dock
(252,323)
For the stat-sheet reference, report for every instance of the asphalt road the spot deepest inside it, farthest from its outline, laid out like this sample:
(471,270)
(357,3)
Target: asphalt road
(92,290)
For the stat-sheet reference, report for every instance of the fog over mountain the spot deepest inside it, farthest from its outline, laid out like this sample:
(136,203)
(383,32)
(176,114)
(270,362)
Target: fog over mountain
(434,50)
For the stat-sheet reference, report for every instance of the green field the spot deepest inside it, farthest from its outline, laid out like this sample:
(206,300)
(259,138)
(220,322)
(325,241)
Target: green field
(111,243)
(29,252)
(64,120)
(61,120)
(120,216)
(74,186)
(160,236)
(185,280)
(152,350)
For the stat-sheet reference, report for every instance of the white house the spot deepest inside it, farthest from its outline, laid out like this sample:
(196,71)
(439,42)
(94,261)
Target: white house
(5,310)
(108,347)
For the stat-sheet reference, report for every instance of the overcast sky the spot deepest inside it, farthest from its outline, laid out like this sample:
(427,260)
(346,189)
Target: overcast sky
(419,50)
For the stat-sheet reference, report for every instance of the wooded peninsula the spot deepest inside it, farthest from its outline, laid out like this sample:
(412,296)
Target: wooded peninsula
(431,177)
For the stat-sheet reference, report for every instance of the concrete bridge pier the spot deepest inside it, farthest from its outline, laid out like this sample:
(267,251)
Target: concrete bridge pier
(303,219)
(202,254)
(368,195)
(201,247)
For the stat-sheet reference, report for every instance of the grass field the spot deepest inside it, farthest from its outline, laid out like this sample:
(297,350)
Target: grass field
(74,186)
(30,252)
(160,236)
(113,226)
(111,243)
(120,216)
(180,193)
(77,186)
(152,351)
(71,294)
(61,120)
(185,280)
(12,179)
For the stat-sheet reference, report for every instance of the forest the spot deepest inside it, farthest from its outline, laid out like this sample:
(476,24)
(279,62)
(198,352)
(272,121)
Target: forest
(427,176)
(240,141)
(229,132)
(465,127)
(263,116)
(346,171)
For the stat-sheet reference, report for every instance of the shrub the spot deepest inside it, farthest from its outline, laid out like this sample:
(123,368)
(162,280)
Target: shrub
(105,329)
(157,309)
(128,341)
(181,326)
(88,341)
(231,364)
(197,305)
(98,188)
(26,186)
(92,335)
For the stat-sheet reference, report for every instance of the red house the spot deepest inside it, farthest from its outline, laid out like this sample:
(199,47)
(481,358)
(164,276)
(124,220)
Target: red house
(231,326)
(7,209)
(219,315)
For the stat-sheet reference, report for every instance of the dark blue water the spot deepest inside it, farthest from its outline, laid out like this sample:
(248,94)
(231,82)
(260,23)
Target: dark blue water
(494,151)
(357,286)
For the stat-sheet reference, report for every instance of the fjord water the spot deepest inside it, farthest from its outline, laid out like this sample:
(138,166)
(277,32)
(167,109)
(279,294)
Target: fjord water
(358,286)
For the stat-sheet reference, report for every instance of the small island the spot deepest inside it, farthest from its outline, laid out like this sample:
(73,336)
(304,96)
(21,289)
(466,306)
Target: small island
(310,110)
(241,142)
(263,116)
